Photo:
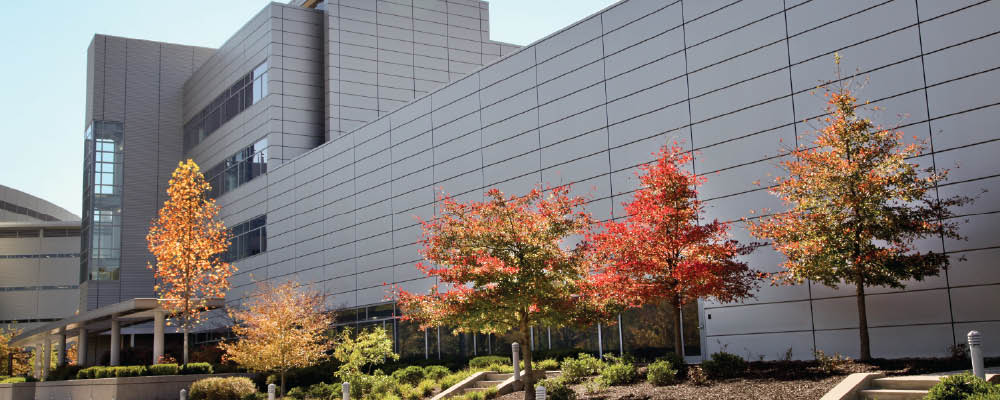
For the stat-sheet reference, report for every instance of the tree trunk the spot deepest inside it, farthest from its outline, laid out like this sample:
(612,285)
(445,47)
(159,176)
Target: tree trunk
(678,333)
(185,346)
(282,392)
(866,352)
(529,374)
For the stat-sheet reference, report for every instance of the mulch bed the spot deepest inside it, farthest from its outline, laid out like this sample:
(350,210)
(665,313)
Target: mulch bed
(768,380)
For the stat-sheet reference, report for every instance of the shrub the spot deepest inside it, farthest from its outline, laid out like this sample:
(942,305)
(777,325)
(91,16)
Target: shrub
(104,372)
(86,373)
(697,376)
(677,362)
(661,373)
(296,393)
(485,361)
(619,373)
(425,388)
(594,386)
(831,364)
(547,365)
(14,379)
(323,391)
(132,370)
(501,368)
(232,388)
(196,368)
(163,369)
(724,365)
(960,387)
(557,389)
(575,369)
(452,379)
(436,372)
(409,375)
(62,373)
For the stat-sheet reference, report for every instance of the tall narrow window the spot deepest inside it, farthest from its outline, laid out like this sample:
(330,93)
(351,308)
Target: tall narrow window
(259,82)
(102,202)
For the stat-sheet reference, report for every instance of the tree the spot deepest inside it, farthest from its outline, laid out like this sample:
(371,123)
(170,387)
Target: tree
(368,348)
(856,207)
(660,251)
(13,360)
(505,267)
(281,327)
(187,240)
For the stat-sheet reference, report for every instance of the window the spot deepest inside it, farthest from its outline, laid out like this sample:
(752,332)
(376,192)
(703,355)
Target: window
(259,82)
(238,169)
(247,239)
(102,202)
(16,209)
(243,93)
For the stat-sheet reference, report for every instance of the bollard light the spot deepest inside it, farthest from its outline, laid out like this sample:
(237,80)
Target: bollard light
(271,391)
(184,394)
(347,390)
(539,392)
(976,354)
(515,351)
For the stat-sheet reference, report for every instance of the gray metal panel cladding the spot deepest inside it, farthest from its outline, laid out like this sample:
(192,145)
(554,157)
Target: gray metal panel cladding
(139,83)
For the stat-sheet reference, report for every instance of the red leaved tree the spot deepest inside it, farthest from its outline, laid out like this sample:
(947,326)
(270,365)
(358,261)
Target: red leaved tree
(857,207)
(660,251)
(506,265)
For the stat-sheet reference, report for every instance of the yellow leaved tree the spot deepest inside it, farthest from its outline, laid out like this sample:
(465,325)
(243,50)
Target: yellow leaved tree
(279,328)
(188,241)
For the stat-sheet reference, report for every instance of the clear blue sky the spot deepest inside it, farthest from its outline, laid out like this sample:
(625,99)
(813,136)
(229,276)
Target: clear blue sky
(44,75)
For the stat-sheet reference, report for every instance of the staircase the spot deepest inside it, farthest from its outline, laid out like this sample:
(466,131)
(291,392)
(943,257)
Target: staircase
(899,388)
(489,380)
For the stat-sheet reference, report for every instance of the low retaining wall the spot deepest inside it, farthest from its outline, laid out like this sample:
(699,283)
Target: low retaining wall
(164,387)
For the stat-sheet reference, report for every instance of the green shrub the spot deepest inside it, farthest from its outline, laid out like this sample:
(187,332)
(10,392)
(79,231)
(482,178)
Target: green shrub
(296,393)
(436,372)
(619,373)
(163,369)
(677,362)
(104,372)
(547,365)
(196,368)
(557,389)
(232,388)
(485,361)
(575,369)
(724,365)
(986,396)
(661,373)
(132,370)
(960,387)
(14,379)
(501,368)
(452,379)
(62,373)
(426,387)
(323,391)
(409,375)
(86,373)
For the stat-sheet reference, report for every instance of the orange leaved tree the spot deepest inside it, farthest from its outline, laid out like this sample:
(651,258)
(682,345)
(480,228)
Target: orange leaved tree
(662,252)
(857,206)
(188,241)
(508,266)
(281,327)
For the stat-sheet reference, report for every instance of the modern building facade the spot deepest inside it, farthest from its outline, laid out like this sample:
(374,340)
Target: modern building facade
(39,258)
(327,127)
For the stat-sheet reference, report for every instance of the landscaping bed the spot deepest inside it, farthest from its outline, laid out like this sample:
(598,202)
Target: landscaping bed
(765,380)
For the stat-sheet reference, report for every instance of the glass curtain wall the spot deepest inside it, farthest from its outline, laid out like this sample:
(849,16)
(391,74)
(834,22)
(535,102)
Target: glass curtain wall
(102,201)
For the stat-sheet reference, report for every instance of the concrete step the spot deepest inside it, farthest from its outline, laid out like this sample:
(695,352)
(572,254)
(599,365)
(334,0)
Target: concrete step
(487,384)
(906,382)
(475,389)
(892,394)
(498,377)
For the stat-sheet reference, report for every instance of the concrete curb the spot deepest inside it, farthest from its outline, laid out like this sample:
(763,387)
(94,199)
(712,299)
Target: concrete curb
(848,388)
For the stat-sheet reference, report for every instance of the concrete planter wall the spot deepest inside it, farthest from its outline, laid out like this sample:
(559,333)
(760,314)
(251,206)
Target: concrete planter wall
(164,387)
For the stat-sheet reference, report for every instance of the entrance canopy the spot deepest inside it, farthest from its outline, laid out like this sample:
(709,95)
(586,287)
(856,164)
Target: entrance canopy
(109,318)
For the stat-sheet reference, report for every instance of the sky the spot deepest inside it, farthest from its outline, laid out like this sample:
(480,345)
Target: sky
(44,77)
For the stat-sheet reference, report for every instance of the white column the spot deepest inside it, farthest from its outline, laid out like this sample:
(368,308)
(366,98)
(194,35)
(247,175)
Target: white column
(116,341)
(81,348)
(36,363)
(158,321)
(61,354)
(46,355)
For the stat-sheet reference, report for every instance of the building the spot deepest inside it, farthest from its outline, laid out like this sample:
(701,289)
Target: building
(325,127)
(39,260)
